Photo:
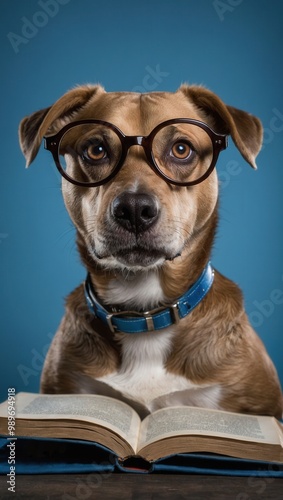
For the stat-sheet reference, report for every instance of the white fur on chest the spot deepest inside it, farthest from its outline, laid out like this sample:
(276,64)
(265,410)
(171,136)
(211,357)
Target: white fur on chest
(142,375)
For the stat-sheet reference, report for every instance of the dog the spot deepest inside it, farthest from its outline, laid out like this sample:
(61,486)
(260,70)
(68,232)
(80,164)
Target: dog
(154,324)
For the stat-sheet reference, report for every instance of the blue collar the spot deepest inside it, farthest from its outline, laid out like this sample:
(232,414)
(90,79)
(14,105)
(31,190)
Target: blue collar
(156,319)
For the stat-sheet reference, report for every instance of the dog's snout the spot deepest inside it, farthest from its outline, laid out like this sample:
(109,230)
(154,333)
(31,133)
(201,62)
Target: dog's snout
(135,212)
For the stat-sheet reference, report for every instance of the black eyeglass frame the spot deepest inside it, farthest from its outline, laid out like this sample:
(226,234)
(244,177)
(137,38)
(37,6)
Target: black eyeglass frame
(219,142)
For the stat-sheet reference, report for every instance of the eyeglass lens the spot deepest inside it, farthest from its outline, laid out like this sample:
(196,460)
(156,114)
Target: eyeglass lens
(182,151)
(89,152)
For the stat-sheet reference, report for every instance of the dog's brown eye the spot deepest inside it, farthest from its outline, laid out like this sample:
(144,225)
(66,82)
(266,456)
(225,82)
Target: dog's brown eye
(181,150)
(96,152)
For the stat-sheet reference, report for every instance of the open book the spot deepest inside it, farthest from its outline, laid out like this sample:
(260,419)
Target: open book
(168,431)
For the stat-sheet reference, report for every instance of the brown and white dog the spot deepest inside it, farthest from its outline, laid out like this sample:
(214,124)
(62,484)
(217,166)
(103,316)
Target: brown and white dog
(144,255)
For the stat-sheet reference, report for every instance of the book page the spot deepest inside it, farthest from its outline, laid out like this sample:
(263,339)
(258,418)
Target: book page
(102,410)
(186,420)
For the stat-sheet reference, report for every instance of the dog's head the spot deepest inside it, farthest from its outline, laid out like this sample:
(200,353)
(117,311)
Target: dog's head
(152,207)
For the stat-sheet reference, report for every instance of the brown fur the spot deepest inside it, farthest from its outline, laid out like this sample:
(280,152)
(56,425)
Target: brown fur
(215,344)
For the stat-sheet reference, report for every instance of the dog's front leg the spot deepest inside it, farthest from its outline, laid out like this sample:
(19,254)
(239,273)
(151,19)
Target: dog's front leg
(78,353)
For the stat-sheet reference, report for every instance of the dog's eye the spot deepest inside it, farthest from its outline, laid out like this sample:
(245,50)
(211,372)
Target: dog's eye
(181,150)
(95,152)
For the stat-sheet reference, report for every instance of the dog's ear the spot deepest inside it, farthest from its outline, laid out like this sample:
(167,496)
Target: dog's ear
(245,129)
(49,120)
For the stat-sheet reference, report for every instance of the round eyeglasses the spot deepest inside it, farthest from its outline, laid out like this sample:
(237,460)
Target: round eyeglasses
(181,151)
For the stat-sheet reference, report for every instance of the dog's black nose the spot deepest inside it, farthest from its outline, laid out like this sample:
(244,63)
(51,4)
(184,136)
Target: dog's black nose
(135,212)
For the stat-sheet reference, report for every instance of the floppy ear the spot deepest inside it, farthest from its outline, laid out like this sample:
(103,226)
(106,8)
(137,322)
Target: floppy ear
(245,129)
(49,120)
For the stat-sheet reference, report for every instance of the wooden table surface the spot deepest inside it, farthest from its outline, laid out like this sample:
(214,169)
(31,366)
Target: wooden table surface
(141,487)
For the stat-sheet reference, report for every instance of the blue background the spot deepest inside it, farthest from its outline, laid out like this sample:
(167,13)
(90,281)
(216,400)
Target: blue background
(234,48)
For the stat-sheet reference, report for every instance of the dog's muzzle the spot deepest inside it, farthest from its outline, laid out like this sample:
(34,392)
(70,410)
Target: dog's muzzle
(133,232)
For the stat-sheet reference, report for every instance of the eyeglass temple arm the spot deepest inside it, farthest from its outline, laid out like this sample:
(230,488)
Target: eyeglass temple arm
(221,142)
(50,144)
